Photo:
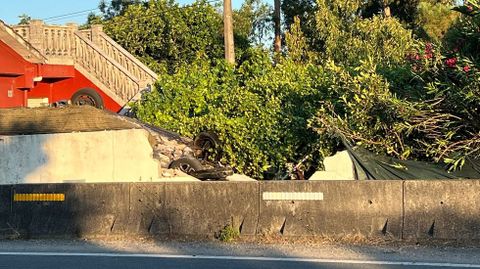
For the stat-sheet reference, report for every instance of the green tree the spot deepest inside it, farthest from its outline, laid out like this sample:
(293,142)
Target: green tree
(24,19)
(114,8)
(404,10)
(407,11)
(304,11)
(369,81)
(92,19)
(166,35)
(463,38)
(433,20)
(349,39)
(297,47)
(252,23)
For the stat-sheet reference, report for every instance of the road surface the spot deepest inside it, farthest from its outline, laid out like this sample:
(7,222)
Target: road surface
(98,254)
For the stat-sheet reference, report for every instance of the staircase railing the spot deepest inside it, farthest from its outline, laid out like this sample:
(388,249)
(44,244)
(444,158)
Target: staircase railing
(120,55)
(57,43)
(109,72)
(93,51)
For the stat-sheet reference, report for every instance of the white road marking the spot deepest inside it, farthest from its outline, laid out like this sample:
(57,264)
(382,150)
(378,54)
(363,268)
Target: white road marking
(238,258)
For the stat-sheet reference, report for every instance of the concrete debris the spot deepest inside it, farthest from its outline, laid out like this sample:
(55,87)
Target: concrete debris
(337,167)
(239,177)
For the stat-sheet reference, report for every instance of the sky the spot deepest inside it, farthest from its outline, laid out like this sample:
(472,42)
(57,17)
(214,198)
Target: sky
(50,10)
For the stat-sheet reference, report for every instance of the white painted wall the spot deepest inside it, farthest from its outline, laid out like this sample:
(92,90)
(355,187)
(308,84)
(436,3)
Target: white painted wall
(105,156)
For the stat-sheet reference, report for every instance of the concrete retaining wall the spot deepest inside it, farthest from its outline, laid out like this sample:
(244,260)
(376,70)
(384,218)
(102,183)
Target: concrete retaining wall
(104,156)
(402,209)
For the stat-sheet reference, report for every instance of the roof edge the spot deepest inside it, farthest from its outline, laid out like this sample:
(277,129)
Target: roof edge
(20,45)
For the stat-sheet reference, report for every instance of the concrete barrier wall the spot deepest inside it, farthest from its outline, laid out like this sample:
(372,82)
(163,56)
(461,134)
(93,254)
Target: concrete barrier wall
(200,209)
(87,210)
(6,225)
(442,209)
(402,209)
(369,208)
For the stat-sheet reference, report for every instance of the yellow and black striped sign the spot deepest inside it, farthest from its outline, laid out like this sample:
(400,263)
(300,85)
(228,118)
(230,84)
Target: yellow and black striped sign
(39,197)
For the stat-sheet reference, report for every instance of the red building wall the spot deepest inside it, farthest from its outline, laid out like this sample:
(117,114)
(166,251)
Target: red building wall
(21,80)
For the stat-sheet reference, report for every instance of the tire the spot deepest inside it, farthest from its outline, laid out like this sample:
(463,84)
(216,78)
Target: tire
(187,165)
(87,97)
(207,147)
(218,173)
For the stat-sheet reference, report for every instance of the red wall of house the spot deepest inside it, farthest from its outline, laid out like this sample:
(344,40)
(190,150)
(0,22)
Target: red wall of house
(13,71)
(58,82)
(63,89)
(10,96)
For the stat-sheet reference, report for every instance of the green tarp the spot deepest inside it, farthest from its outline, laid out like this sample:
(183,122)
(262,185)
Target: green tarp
(369,165)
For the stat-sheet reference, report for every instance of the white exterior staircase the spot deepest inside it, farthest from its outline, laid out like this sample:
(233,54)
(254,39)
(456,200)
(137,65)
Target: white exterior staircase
(114,70)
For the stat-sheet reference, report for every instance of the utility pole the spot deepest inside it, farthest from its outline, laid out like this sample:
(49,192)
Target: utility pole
(228,31)
(276,18)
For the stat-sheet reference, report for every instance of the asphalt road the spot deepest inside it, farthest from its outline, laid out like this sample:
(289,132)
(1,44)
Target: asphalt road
(158,254)
(37,260)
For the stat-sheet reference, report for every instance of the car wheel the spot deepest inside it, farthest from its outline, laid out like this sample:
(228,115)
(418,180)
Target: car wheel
(186,164)
(87,97)
(207,147)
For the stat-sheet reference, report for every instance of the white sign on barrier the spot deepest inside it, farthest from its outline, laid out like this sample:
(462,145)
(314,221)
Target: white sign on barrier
(284,196)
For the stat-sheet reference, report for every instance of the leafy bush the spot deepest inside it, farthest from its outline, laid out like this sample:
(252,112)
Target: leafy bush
(464,37)
(361,108)
(454,80)
(368,81)
(435,118)
(258,110)
(228,234)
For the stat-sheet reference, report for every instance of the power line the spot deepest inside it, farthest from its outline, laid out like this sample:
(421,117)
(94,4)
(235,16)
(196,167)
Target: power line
(69,17)
(73,14)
